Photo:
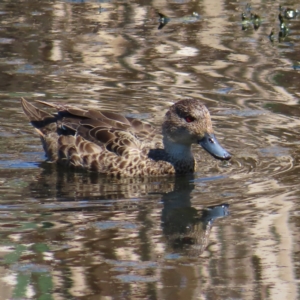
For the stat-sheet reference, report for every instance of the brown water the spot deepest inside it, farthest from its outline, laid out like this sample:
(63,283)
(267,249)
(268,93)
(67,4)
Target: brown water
(71,235)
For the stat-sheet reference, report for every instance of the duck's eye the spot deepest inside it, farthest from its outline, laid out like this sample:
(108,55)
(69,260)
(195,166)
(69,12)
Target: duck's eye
(189,119)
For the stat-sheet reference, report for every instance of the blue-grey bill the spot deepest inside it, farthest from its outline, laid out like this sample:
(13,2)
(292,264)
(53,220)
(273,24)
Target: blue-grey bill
(211,145)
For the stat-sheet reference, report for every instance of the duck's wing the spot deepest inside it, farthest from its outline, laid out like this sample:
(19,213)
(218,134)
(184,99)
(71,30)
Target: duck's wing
(118,141)
(73,118)
(110,130)
(147,134)
(68,113)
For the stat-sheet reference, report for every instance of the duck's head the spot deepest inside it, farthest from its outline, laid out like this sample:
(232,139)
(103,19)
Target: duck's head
(188,122)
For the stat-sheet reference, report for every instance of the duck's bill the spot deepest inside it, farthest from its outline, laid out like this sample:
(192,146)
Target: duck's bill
(211,145)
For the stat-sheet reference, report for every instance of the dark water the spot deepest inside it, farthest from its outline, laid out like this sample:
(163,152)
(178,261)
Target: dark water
(228,232)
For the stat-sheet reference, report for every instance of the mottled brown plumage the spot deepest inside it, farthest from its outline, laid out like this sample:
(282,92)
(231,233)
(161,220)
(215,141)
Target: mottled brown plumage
(112,144)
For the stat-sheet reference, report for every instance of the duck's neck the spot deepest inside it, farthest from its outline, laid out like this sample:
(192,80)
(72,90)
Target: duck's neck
(180,156)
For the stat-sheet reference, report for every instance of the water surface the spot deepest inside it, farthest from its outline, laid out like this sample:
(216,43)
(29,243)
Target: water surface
(228,232)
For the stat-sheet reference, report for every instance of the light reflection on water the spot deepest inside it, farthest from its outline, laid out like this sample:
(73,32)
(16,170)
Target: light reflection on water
(67,235)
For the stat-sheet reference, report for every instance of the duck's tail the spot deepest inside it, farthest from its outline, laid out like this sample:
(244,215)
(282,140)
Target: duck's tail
(41,120)
(46,126)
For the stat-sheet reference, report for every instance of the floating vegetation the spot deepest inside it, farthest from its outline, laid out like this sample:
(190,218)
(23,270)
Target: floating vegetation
(164,20)
(250,19)
(283,30)
(296,65)
(289,13)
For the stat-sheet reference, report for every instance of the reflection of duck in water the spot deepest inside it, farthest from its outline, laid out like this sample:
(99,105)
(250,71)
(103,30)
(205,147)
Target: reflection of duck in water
(186,228)
(164,20)
(65,185)
(109,143)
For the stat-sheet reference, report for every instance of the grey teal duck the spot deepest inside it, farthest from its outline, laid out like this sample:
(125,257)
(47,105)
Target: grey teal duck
(112,144)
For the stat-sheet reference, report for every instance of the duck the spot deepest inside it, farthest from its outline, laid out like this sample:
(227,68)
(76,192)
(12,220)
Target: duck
(118,146)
